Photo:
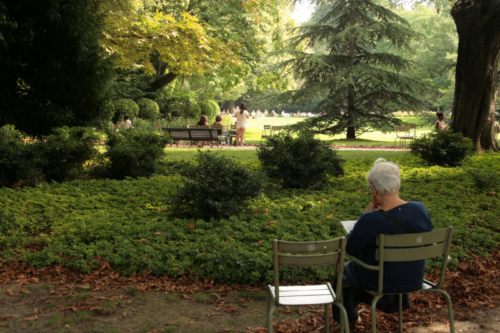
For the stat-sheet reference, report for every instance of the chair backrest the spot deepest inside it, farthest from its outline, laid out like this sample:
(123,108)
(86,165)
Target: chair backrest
(275,128)
(233,127)
(202,126)
(410,247)
(402,129)
(329,252)
(158,126)
(267,127)
(412,129)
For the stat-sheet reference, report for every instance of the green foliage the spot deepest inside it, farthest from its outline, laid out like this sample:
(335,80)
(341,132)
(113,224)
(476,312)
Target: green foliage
(216,188)
(18,160)
(207,109)
(215,107)
(132,153)
(359,85)
(301,162)
(125,106)
(148,108)
(192,111)
(58,157)
(63,154)
(485,180)
(129,224)
(446,148)
(53,72)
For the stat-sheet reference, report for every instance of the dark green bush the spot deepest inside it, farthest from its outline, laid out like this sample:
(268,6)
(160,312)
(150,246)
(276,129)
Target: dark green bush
(132,153)
(217,187)
(148,109)
(125,106)
(485,180)
(445,148)
(63,154)
(208,109)
(19,161)
(301,162)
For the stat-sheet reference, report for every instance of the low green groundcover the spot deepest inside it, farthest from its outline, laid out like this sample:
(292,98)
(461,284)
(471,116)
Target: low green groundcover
(128,222)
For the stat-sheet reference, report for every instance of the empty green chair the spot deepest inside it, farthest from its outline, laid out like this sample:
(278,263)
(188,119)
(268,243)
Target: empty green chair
(410,247)
(329,252)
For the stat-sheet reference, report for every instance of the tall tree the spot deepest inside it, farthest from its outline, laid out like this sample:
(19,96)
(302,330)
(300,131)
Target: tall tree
(478,27)
(52,68)
(359,86)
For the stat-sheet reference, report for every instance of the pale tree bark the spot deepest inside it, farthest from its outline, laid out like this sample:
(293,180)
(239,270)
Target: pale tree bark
(473,112)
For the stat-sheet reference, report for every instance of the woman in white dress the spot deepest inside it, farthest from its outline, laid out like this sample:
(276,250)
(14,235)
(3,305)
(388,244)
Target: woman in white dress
(241,124)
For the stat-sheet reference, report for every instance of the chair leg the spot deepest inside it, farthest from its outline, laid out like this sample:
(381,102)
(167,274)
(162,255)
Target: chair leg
(374,317)
(450,307)
(327,318)
(344,322)
(400,313)
(269,313)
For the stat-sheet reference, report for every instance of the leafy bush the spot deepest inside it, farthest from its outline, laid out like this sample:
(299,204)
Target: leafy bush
(216,187)
(132,153)
(148,109)
(128,224)
(125,106)
(446,148)
(19,161)
(63,154)
(301,162)
(192,111)
(485,180)
(210,109)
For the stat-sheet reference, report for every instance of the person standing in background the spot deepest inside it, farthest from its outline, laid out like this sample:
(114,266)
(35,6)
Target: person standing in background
(440,124)
(241,124)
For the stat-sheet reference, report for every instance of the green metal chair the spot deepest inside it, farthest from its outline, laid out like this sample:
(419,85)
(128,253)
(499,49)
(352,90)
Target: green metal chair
(332,252)
(410,247)
(265,133)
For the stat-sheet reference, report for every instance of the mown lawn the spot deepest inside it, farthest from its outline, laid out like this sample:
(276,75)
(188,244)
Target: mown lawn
(255,127)
(129,223)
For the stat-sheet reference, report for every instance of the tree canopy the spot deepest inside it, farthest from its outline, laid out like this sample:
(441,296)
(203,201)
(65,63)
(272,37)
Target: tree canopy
(359,85)
(52,70)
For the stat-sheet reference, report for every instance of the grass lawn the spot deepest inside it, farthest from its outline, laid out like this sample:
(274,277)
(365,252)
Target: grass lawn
(255,127)
(178,154)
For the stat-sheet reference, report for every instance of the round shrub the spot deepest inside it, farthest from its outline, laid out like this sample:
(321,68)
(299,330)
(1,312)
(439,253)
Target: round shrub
(148,109)
(445,148)
(192,111)
(126,106)
(207,108)
(302,162)
(217,187)
(215,106)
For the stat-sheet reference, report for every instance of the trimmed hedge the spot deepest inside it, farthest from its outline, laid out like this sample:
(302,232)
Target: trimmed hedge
(148,109)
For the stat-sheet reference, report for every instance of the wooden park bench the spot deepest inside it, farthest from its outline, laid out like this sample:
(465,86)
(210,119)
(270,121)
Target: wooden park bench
(193,135)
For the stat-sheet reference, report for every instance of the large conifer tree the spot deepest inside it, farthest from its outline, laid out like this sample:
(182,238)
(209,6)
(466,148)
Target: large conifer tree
(359,87)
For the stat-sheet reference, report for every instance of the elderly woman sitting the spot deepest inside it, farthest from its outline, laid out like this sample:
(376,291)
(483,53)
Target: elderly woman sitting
(384,180)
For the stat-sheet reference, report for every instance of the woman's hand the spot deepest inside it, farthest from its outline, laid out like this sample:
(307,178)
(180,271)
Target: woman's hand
(373,205)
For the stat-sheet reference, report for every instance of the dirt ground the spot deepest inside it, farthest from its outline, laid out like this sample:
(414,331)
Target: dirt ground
(44,307)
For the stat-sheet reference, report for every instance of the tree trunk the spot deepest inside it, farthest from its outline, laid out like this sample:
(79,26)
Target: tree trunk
(351,132)
(351,94)
(473,112)
(162,82)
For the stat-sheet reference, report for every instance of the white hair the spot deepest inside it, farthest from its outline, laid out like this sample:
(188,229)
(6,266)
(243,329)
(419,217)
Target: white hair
(385,177)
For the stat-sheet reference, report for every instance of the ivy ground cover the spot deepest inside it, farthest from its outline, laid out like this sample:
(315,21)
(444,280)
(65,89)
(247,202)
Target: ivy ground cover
(128,223)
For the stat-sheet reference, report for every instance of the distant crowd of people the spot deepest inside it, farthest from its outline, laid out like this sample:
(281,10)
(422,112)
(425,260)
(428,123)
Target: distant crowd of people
(257,114)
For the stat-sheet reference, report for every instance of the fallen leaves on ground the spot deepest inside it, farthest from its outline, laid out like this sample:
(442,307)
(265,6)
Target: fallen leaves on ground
(473,286)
